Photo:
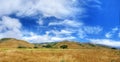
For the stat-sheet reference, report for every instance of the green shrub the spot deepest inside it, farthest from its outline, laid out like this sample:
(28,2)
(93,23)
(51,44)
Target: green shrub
(63,46)
(35,46)
(47,46)
(4,39)
(92,45)
(21,47)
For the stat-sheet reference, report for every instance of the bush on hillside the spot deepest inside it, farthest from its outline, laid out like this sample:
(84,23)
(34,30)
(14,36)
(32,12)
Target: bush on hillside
(47,46)
(4,39)
(21,47)
(35,46)
(63,46)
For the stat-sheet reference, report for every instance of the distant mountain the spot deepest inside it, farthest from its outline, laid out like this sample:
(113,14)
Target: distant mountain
(14,43)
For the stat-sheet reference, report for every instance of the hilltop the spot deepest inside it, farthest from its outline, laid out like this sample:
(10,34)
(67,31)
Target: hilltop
(14,43)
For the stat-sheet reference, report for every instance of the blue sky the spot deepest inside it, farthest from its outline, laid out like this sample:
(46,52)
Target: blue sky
(37,21)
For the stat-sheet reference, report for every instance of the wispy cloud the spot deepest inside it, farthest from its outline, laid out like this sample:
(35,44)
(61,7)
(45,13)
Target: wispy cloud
(119,34)
(112,33)
(85,30)
(92,29)
(71,23)
(108,35)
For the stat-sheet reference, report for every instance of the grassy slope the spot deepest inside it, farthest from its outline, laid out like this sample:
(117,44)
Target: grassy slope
(76,45)
(13,43)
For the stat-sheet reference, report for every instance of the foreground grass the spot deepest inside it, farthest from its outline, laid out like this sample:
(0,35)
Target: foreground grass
(59,55)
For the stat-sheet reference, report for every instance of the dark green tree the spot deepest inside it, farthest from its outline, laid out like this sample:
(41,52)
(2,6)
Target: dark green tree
(64,46)
(21,46)
(47,46)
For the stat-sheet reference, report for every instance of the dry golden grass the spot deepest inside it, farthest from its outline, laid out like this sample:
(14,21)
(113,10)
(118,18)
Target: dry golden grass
(59,55)
(71,45)
(76,45)
(14,43)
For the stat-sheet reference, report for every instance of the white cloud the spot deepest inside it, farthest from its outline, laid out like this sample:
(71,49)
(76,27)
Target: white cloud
(71,23)
(119,34)
(85,30)
(81,33)
(80,28)
(56,8)
(92,29)
(107,42)
(34,38)
(8,7)
(40,22)
(62,9)
(61,33)
(95,3)
(115,29)
(10,27)
(10,23)
(108,35)
(62,38)
(111,33)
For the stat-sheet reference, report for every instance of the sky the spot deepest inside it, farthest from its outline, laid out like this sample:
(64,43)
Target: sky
(37,21)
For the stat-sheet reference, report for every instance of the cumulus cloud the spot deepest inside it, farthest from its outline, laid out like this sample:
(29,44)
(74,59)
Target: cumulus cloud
(48,8)
(107,42)
(10,27)
(8,7)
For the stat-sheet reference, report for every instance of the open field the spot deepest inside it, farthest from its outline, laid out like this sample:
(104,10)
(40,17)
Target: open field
(59,55)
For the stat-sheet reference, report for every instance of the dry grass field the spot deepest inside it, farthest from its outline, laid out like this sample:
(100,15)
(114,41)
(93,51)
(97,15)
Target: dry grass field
(59,55)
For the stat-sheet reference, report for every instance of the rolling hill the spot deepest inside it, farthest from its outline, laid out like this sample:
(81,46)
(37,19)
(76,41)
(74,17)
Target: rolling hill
(77,45)
(72,45)
(14,43)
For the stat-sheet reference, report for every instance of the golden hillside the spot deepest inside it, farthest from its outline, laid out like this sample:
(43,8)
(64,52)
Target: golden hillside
(14,43)
(76,45)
